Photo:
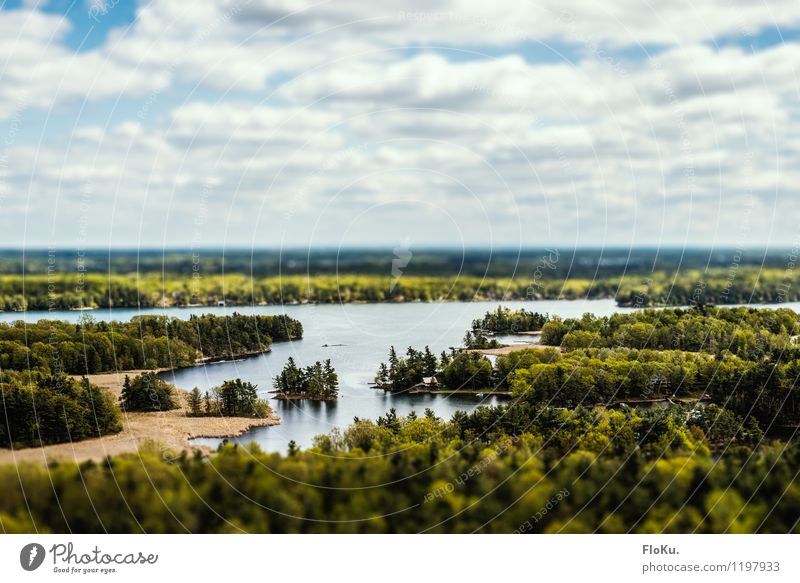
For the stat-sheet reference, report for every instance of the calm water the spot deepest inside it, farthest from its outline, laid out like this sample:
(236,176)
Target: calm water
(356,337)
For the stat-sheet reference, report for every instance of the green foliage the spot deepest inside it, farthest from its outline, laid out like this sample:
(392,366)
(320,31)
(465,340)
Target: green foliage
(42,408)
(356,280)
(195,402)
(238,398)
(146,342)
(491,471)
(147,392)
(318,381)
(403,373)
(506,321)
(467,370)
(748,332)
(478,339)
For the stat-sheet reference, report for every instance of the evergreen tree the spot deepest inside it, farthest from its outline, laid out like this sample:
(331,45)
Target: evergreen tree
(382,378)
(147,392)
(195,403)
(331,381)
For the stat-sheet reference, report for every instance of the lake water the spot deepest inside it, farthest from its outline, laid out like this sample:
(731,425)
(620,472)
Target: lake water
(356,337)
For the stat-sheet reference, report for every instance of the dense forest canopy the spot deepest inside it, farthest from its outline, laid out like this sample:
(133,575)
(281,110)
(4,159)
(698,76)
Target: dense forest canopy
(740,358)
(40,408)
(492,471)
(748,332)
(147,392)
(506,321)
(145,342)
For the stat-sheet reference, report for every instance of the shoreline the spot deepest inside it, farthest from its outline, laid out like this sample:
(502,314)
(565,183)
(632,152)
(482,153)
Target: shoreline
(172,431)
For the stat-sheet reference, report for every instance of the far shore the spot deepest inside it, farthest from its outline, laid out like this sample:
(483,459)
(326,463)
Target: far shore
(172,430)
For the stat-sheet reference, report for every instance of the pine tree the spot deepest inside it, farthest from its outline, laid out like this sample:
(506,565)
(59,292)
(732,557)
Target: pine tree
(195,402)
(429,361)
(331,381)
(382,378)
(126,396)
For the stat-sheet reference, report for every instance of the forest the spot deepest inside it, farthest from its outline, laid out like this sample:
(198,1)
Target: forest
(233,398)
(742,359)
(717,454)
(506,321)
(745,331)
(43,405)
(678,469)
(41,408)
(145,342)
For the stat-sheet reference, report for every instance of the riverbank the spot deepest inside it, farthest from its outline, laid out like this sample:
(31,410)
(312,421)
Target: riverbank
(503,350)
(171,430)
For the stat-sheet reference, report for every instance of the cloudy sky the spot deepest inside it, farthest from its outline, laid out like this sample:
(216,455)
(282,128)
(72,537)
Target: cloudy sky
(438,122)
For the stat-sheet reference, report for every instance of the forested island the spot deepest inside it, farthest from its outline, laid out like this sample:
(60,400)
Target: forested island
(316,382)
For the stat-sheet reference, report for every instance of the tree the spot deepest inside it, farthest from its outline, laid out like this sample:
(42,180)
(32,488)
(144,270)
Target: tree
(237,398)
(195,402)
(382,378)
(429,361)
(331,381)
(467,370)
(147,392)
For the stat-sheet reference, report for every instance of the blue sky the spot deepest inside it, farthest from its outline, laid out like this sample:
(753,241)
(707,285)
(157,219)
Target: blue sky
(453,122)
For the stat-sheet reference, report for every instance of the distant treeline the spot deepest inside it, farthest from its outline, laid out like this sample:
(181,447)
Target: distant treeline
(146,342)
(529,263)
(713,286)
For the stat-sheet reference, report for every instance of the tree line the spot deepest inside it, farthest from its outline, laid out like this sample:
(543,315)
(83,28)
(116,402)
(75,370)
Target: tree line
(639,289)
(456,370)
(503,320)
(748,332)
(145,342)
(42,408)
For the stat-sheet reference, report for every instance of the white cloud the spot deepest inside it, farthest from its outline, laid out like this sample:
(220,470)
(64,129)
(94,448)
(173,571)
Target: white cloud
(323,131)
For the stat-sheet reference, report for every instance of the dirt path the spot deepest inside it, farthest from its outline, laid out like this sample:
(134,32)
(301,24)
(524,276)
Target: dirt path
(171,429)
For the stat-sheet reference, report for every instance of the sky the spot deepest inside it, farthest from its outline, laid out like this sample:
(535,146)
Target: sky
(457,123)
